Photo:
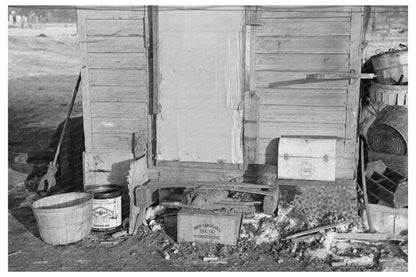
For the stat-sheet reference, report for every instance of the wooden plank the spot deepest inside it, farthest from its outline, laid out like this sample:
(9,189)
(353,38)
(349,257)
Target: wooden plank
(303,14)
(278,129)
(196,174)
(202,184)
(368,237)
(236,206)
(302,114)
(115,28)
(303,45)
(118,94)
(305,11)
(180,164)
(270,147)
(155,58)
(302,62)
(112,12)
(303,97)
(317,229)
(86,105)
(117,142)
(117,60)
(354,89)
(110,125)
(247,60)
(114,44)
(120,110)
(137,176)
(117,77)
(251,128)
(304,27)
(264,78)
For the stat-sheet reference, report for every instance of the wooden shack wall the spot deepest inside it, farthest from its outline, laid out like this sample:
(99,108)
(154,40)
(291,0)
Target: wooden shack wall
(114,88)
(290,42)
(283,44)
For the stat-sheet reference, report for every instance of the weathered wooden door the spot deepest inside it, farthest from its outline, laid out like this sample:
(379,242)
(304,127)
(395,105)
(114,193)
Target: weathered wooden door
(287,43)
(200,72)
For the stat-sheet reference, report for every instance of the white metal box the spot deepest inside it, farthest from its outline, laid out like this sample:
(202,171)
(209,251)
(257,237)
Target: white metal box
(307,158)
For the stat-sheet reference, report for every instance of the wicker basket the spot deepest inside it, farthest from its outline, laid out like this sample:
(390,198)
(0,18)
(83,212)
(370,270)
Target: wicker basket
(64,218)
(388,94)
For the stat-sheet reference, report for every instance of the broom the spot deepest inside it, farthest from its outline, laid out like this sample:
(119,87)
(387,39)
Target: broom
(49,177)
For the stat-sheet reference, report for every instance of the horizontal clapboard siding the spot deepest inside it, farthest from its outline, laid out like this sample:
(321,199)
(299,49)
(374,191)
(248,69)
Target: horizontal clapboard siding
(305,11)
(304,62)
(277,129)
(118,94)
(120,110)
(111,125)
(302,114)
(304,27)
(117,77)
(300,45)
(115,44)
(115,28)
(120,142)
(270,147)
(125,12)
(117,61)
(291,42)
(303,97)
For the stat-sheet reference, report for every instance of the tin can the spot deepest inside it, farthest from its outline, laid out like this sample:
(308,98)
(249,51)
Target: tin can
(106,207)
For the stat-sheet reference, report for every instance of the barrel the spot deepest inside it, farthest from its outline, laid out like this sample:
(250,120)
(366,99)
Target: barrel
(390,66)
(64,218)
(388,94)
(388,133)
(106,207)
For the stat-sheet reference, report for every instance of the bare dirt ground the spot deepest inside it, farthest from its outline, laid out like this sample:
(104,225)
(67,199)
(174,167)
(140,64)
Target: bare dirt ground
(43,68)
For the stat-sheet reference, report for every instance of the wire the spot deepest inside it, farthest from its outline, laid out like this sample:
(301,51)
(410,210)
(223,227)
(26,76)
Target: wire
(205,8)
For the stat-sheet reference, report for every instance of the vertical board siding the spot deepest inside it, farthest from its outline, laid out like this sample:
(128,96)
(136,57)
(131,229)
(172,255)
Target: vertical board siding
(293,41)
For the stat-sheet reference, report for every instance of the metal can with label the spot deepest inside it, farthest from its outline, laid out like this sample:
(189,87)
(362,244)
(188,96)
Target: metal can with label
(106,207)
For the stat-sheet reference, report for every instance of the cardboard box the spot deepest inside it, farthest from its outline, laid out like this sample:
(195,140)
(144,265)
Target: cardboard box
(195,225)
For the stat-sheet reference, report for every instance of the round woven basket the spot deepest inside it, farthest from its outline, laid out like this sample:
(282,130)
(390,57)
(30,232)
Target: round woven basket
(64,218)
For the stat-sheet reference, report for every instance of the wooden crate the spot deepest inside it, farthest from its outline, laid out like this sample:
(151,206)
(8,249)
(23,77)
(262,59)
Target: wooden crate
(208,226)
(307,158)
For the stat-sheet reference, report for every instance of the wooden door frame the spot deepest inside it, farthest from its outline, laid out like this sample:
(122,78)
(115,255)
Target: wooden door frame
(154,108)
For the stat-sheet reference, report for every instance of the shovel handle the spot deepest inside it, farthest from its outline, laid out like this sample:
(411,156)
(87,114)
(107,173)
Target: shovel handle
(58,149)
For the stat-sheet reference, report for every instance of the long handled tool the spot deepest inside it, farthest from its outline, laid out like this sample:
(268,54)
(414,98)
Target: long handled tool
(49,177)
(367,207)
